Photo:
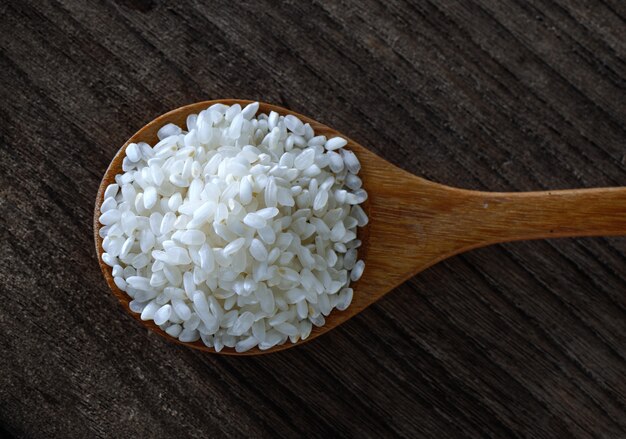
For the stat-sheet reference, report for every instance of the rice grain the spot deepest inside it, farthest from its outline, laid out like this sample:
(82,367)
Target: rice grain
(240,231)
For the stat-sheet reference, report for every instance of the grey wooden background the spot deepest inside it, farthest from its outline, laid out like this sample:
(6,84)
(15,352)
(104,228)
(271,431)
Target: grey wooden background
(517,340)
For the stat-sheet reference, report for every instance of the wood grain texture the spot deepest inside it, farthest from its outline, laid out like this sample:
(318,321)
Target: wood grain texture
(517,340)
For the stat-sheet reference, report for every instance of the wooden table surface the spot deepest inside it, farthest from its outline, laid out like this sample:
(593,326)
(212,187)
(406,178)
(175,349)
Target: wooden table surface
(518,340)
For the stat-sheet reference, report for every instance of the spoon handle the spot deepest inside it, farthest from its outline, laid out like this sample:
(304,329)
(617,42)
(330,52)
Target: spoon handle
(502,217)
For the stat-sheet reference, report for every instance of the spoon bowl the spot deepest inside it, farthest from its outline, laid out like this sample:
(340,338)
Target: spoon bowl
(414,223)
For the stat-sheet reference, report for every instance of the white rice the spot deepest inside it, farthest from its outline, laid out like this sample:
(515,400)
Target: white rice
(239,230)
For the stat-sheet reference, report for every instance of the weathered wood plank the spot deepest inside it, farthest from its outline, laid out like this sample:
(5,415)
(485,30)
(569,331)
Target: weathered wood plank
(524,339)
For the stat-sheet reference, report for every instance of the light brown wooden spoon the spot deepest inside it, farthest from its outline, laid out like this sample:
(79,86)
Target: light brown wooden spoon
(414,223)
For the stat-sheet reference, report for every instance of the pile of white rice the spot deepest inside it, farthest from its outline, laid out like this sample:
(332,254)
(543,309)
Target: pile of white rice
(239,230)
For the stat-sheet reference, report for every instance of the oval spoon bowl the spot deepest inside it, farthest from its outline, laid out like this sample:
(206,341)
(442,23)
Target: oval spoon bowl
(178,116)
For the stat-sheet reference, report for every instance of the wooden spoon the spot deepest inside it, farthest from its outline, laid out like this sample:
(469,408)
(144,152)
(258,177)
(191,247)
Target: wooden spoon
(414,223)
